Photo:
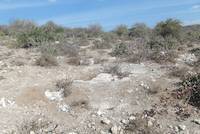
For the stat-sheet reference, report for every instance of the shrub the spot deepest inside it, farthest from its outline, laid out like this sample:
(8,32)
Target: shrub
(179,72)
(196,52)
(170,27)
(46,60)
(101,44)
(140,30)
(120,50)
(115,70)
(160,43)
(163,56)
(121,31)
(190,90)
(20,26)
(65,86)
(60,49)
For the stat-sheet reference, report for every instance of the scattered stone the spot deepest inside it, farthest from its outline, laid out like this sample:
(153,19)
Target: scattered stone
(181,127)
(125,122)
(105,121)
(150,122)
(114,130)
(176,129)
(197,121)
(100,113)
(131,118)
(72,133)
(54,96)
(64,108)
(102,132)
(5,102)
(32,132)
(144,85)
(188,58)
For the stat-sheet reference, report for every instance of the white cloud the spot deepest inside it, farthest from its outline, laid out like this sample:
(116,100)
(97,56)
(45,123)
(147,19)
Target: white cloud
(52,1)
(196,7)
(191,22)
(13,6)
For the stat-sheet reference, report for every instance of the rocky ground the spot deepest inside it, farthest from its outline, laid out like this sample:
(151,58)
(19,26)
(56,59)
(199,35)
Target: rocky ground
(100,101)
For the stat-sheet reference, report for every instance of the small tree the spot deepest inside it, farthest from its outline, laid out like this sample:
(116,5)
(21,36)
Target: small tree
(170,27)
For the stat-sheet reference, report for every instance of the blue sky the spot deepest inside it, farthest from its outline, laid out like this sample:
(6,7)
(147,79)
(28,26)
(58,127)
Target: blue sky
(108,13)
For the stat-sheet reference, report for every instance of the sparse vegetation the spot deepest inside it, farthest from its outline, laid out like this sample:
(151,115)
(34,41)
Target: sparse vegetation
(36,125)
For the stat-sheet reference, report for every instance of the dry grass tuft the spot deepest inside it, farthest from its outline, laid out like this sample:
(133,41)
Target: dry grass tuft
(46,61)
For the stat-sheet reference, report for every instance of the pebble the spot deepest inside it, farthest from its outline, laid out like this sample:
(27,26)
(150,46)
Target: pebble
(181,127)
(105,121)
(114,130)
(197,121)
(125,121)
(131,118)
(32,132)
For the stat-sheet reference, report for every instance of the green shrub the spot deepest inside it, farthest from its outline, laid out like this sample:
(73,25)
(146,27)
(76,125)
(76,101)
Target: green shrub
(120,50)
(161,43)
(170,27)
(190,90)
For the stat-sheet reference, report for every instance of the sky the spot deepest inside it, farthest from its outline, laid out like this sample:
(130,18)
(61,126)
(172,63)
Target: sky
(108,13)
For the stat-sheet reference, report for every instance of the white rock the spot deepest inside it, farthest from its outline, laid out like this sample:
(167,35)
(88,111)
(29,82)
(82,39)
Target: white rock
(54,96)
(181,127)
(105,121)
(64,108)
(5,102)
(188,58)
(32,132)
(125,121)
(114,130)
(100,113)
(197,121)
(131,118)
(104,77)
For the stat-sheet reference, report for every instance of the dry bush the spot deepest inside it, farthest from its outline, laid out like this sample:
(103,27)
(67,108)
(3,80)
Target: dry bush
(190,90)
(46,60)
(65,86)
(179,72)
(101,44)
(74,61)
(60,49)
(136,58)
(163,57)
(115,70)
(37,125)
